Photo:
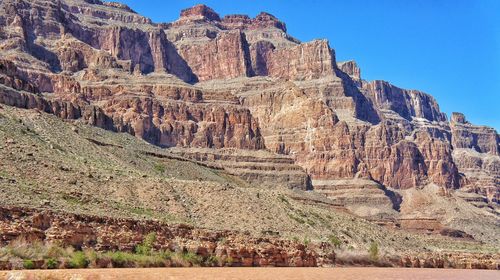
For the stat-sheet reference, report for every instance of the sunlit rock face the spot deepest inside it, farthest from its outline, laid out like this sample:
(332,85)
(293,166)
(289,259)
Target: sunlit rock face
(211,81)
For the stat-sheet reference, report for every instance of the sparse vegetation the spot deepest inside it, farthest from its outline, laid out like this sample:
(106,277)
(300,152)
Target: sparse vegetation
(213,261)
(130,171)
(191,258)
(283,199)
(228,261)
(51,263)
(373,251)
(297,219)
(78,260)
(355,257)
(28,264)
(307,241)
(146,247)
(52,256)
(335,241)
(159,167)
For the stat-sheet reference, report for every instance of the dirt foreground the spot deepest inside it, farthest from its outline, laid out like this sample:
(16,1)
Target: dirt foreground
(251,273)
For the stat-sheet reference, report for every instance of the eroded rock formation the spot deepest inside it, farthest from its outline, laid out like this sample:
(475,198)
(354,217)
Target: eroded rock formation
(81,231)
(241,83)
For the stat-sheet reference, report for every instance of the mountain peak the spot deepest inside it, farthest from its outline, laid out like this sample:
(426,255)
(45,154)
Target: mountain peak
(200,11)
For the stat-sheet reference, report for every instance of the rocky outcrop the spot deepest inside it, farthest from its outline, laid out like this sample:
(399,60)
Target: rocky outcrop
(106,11)
(108,234)
(202,13)
(351,68)
(199,12)
(11,78)
(261,21)
(256,167)
(176,124)
(89,114)
(451,260)
(362,197)
(482,176)
(407,103)
(224,57)
(480,138)
(303,62)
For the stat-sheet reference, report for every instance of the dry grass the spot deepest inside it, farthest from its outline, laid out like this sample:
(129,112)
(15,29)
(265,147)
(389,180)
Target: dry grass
(21,254)
(348,257)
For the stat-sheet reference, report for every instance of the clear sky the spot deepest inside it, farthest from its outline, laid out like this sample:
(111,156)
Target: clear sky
(447,48)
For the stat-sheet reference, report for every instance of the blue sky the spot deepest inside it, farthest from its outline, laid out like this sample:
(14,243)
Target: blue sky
(447,48)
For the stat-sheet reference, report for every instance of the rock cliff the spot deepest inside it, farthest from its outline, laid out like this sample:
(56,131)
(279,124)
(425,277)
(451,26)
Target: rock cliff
(210,84)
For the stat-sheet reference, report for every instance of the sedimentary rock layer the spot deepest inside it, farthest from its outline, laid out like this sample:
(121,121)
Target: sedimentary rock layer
(235,82)
(100,233)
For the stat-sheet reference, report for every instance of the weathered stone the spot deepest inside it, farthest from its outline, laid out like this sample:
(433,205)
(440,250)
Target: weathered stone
(253,87)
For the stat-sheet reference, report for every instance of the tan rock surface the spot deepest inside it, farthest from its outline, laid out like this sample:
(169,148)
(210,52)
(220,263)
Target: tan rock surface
(237,83)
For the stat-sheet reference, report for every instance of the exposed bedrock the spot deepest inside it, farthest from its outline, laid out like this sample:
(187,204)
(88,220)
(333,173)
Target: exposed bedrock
(241,84)
(260,168)
(83,231)
(483,139)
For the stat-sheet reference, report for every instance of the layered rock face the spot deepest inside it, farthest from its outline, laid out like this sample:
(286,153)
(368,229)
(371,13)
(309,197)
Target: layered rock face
(482,173)
(351,68)
(476,152)
(83,231)
(406,103)
(468,136)
(258,168)
(239,83)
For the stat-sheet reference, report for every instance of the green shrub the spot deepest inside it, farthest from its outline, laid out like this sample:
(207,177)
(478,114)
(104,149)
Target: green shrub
(307,241)
(26,250)
(119,259)
(28,264)
(185,259)
(192,258)
(51,263)
(78,260)
(297,219)
(55,251)
(373,251)
(146,247)
(283,199)
(166,255)
(142,250)
(335,241)
(229,260)
(212,261)
(159,167)
(91,256)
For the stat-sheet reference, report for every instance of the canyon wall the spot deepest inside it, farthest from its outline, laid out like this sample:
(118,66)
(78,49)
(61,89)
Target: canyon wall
(211,82)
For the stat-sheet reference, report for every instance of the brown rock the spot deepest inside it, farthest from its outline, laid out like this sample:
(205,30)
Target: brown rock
(106,65)
(480,138)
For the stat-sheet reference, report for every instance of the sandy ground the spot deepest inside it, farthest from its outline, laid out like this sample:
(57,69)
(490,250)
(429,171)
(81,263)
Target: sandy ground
(252,273)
